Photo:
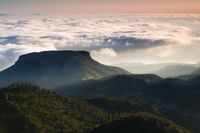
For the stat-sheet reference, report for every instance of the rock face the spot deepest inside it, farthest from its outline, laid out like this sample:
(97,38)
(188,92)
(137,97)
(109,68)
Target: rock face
(52,69)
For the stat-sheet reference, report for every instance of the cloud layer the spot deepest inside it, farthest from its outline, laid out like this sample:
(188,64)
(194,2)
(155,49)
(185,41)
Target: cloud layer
(110,38)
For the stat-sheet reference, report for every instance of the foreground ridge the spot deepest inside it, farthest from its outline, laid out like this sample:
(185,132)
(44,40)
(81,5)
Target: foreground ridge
(27,108)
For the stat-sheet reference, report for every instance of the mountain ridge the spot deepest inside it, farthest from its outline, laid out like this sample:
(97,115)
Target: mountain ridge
(52,69)
(164,70)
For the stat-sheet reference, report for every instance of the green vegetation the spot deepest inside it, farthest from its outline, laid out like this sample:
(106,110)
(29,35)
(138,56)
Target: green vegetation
(176,99)
(116,106)
(47,111)
(140,123)
(118,86)
(29,109)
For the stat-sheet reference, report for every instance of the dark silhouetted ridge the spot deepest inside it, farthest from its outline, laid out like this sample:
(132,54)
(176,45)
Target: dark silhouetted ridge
(52,69)
(53,56)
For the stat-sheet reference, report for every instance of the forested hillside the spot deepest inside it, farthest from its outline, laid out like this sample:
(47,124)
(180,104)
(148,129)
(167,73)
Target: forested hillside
(29,109)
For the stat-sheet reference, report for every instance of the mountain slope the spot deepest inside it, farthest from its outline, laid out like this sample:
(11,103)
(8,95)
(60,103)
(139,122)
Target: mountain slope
(119,86)
(175,97)
(117,106)
(26,108)
(176,93)
(52,69)
(173,93)
(141,123)
(29,109)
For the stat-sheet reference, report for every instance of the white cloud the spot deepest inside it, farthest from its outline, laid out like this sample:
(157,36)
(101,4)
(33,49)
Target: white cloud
(110,38)
(104,55)
(105,52)
(9,53)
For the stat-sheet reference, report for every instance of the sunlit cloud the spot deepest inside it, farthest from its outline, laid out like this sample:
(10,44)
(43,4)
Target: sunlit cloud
(110,38)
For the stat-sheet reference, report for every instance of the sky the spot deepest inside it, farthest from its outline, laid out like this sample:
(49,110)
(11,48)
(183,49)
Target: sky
(113,31)
(136,6)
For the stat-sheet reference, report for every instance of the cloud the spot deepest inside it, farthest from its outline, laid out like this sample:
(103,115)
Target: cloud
(122,43)
(9,39)
(107,53)
(110,38)
(9,53)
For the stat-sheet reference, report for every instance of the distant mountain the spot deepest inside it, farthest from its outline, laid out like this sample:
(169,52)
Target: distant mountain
(163,69)
(191,75)
(196,72)
(29,109)
(141,123)
(176,70)
(140,68)
(52,69)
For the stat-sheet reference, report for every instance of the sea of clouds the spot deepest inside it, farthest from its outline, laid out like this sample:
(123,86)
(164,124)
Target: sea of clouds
(111,39)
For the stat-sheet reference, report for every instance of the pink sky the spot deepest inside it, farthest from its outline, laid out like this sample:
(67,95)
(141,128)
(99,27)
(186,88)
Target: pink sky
(141,6)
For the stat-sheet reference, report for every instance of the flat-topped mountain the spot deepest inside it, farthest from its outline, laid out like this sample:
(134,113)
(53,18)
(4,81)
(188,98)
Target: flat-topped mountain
(52,69)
